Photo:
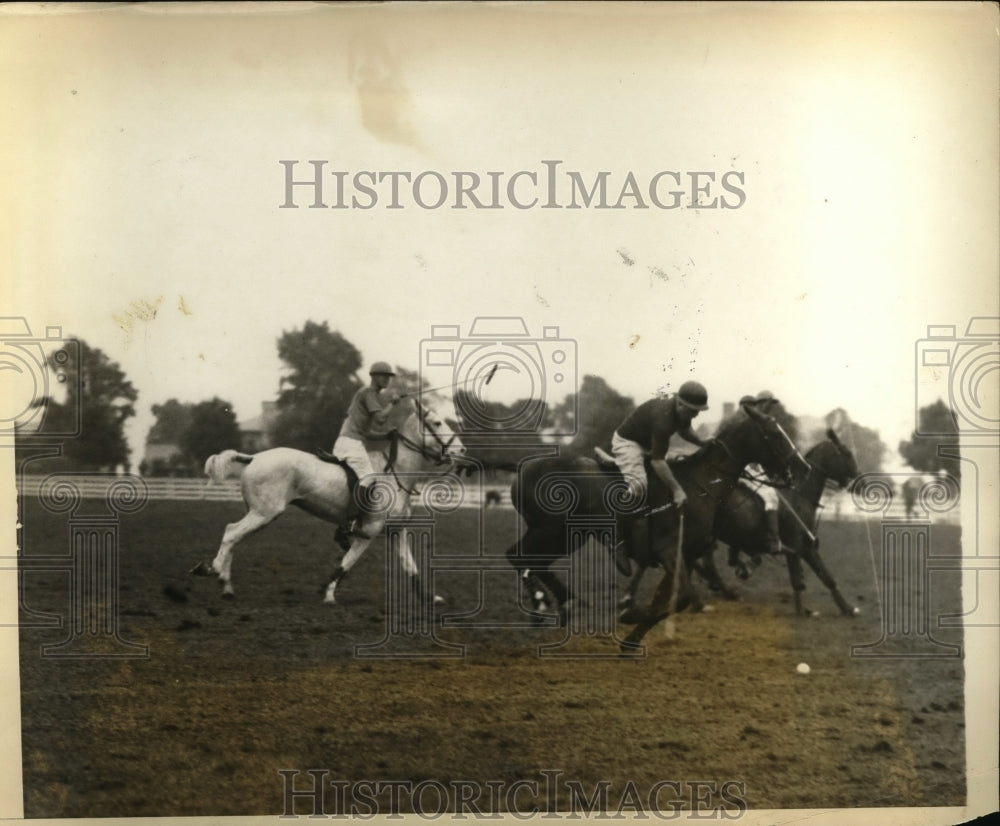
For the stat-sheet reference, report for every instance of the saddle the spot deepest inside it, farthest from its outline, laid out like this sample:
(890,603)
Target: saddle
(606,461)
(352,476)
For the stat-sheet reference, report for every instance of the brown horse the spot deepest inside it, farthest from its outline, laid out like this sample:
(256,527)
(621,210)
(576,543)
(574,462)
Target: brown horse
(550,492)
(741,525)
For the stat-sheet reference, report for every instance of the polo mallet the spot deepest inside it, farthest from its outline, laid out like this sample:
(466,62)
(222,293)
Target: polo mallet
(798,518)
(489,378)
(669,628)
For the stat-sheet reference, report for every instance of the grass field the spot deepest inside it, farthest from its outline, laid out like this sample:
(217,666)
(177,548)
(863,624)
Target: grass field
(234,692)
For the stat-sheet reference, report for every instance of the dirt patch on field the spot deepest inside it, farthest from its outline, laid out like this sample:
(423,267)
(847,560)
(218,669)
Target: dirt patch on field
(234,693)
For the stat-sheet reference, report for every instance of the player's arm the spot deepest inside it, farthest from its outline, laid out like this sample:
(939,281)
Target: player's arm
(658,462)
(380,405)
(689,435)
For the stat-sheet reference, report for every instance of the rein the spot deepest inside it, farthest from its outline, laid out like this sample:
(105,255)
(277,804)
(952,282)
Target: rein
(766,481)
(813,501)
(439,457)
(719,498)
(741,473)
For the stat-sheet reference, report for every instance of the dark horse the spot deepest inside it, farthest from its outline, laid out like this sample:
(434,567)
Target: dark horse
(741,525)
(550,493)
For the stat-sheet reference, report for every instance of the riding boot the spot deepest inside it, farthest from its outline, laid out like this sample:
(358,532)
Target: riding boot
(773,532)
(366,506)
(640,540)
(622,562)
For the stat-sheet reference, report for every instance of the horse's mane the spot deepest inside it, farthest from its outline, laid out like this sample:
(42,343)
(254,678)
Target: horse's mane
(402,413)
(775,409)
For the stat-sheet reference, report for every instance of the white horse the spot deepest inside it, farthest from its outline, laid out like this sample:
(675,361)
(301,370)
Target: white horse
(420,447)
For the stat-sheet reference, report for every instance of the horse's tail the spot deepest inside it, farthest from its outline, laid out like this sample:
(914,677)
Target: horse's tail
(220,466)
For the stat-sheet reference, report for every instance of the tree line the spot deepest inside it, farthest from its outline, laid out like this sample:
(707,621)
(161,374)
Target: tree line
(322,370)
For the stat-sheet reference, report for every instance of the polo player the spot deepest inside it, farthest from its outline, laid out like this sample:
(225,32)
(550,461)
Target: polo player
(646,431)
(765,401)
(367,418)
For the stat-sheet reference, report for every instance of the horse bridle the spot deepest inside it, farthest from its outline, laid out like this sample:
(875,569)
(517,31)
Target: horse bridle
(438,457)
(841,483)
(768,440)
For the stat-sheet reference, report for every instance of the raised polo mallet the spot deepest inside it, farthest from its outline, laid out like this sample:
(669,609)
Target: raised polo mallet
(489,378)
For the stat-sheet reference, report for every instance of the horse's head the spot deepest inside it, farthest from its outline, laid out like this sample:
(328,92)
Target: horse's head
(834,460)
(431,432)
(759,437)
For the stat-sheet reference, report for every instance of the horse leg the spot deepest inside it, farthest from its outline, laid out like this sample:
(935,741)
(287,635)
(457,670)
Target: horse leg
(660,606)
(798,585)
(658,610)
(629,613)
(560,592)
(533,587)
(743,568)
(536,544)
(358,546)
(235,531)
(710,572)
(405,551)
(632,588)
(811,555)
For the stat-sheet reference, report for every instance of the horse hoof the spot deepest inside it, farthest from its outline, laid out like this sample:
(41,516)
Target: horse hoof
(330,600)
(438,600)
(201,569)
(228,595)
(708,609)
(854,612)
(625,602)
(629,650)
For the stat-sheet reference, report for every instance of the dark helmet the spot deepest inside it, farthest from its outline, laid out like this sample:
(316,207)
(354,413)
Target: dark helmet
(694,395)
(765,396)
(381,368)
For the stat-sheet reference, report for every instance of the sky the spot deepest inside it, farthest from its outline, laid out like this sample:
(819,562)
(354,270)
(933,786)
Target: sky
(142,148)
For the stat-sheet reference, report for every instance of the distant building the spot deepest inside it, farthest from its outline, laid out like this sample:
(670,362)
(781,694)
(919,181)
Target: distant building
(255,433)
(160,459)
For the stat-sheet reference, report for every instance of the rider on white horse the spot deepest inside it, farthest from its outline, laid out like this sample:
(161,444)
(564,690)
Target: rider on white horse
(367,418)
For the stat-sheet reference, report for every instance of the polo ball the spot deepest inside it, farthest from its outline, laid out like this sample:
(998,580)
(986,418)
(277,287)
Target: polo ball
(802,668)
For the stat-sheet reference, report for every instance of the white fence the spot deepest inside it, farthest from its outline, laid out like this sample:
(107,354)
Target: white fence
(835,506)
(96,486)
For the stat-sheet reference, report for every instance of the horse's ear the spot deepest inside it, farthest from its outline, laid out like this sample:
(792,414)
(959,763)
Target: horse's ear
(831,434)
